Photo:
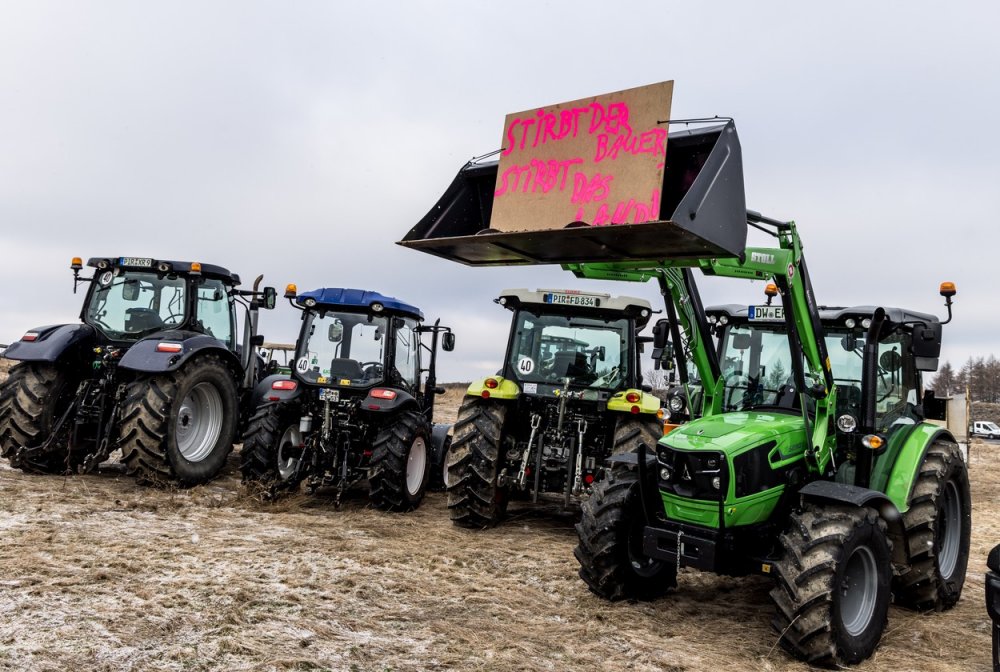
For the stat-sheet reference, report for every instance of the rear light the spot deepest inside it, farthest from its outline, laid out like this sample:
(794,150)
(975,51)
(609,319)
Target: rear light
(492,383)
(286,385)
(30,336)
(380,393)
(632,397)
(166,346)
(635,410)
(588,479)
(486,394)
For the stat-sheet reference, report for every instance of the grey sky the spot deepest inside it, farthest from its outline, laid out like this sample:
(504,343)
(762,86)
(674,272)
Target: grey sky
(300,140)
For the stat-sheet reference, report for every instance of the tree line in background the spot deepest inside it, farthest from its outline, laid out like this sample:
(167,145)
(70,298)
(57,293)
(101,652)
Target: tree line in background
(981,375)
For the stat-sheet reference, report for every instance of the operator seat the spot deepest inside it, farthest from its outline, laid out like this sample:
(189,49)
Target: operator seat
(341,367)
(141,319)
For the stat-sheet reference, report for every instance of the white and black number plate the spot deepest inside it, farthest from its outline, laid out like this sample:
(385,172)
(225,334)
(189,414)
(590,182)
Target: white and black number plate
(585,300)
(142,262)
(329,395)
(766,313)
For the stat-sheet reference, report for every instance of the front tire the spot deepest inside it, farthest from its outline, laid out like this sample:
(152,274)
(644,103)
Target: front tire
(834,578)
(474,498)
(32,399)
(938,526)
(400,463)
(610,531)
(272,446)
(180,426)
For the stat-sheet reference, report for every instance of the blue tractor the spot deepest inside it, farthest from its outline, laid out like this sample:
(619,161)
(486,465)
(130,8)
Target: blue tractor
(358,404)
(153,369)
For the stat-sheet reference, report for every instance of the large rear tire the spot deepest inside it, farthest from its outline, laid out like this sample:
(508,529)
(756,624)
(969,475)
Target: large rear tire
(32,399)
(272,445)
(938,526)
(400,463)
(610,531)
(474,498)
(631,430)
(180,426)
(834,579)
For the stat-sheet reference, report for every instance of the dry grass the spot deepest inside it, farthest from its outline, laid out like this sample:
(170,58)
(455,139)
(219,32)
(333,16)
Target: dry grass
(99,574)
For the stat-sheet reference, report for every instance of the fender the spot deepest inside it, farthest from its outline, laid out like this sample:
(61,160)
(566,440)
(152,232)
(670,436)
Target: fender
(440,442)
(505,389)
(143,355)
(648,403)
(54,342)
(264,391)
(826,492)
(401,401)
(899,473)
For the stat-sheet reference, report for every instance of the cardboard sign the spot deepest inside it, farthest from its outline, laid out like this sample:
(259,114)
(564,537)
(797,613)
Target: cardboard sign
(598,161)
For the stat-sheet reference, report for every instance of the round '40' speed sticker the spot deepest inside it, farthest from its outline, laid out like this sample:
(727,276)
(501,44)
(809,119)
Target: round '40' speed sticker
(526,365)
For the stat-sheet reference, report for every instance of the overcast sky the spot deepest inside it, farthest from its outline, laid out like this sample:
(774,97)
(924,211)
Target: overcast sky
(301,140)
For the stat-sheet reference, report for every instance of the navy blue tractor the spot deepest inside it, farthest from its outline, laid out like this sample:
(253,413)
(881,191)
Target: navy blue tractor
(358,404)
(153,369)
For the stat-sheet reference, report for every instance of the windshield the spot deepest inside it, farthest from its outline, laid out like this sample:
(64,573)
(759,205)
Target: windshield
(342,349)
(130,305)
(757,368)
(551,348)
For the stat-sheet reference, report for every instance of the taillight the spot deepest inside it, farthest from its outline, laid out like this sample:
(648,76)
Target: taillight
(635,410)
(380,393)
(286,385)
(166,346)
(492,383)
(632,397)
(30,336)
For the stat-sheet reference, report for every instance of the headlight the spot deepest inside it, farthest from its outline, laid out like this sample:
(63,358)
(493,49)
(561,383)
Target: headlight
(676,404)
(310,302)
(716,482)
(847,423)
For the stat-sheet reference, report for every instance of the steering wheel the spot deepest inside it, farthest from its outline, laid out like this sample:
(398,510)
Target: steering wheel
(372,369)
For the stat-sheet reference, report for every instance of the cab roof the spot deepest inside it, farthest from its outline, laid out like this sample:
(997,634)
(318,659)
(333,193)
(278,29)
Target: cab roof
(209,270)
(640,309)
(343,297)
(831,314)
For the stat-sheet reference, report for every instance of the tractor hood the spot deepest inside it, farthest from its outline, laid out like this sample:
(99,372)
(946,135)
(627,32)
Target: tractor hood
(732,433)
(702,213)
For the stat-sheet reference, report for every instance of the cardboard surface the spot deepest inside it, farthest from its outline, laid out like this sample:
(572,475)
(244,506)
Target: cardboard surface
(596,160)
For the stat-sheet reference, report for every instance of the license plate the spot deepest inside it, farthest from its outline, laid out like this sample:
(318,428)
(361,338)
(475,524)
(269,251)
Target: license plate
(135,261)
(766,312)
(329,395)
(584,300)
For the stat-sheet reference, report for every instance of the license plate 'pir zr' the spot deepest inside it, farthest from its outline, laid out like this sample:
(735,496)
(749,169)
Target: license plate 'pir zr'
(141,262)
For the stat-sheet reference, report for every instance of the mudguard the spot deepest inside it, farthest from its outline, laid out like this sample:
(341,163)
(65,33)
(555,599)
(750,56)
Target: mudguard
(440,442)
(505,389)
(826,492)
(401,401)
(264,392)
(54,342)
(143,355)
(897,474)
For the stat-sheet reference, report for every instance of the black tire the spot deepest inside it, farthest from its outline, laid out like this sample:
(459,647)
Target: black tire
(938,526)
(474,499)
(168,436)
(272,445)
(400,464)
(609,551)
(631,430)
(32,399)
(833,584)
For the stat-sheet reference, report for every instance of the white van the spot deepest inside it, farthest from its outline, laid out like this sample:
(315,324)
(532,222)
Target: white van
(985,429)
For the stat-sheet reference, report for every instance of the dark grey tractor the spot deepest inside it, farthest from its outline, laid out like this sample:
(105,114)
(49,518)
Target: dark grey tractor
(153,369)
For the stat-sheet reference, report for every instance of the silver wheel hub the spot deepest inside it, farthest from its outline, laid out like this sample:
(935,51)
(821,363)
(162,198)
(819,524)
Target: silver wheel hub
(858,591)
(416,465)
(199,422)
(289,452)
(949,530)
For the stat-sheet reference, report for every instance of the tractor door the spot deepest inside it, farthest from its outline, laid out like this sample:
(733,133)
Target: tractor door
(406,356)
(215,314)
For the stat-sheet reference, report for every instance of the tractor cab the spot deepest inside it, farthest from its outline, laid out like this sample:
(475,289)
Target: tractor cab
(130,298)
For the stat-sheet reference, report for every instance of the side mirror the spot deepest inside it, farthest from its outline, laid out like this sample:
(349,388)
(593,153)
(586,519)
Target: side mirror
(663,349)
(448,341)
(849,342)
(661,333)
(890,360)
(601,353)
(270,298)
(130,290)
(335,332)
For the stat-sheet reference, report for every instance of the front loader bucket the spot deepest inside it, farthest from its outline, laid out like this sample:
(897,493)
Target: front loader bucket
(702,214)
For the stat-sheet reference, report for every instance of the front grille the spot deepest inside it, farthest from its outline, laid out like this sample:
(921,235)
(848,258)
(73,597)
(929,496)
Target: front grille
(693,474)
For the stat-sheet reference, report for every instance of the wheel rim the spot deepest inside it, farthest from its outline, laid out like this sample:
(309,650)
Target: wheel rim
(949,531)
(416,463)
(289,452)
(858,591)
(199,422)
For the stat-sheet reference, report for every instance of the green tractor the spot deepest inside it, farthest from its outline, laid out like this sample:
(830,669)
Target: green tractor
(569,394)
(808,458)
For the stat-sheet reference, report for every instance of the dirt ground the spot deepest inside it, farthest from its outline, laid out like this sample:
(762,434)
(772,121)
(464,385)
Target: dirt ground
(99,574)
